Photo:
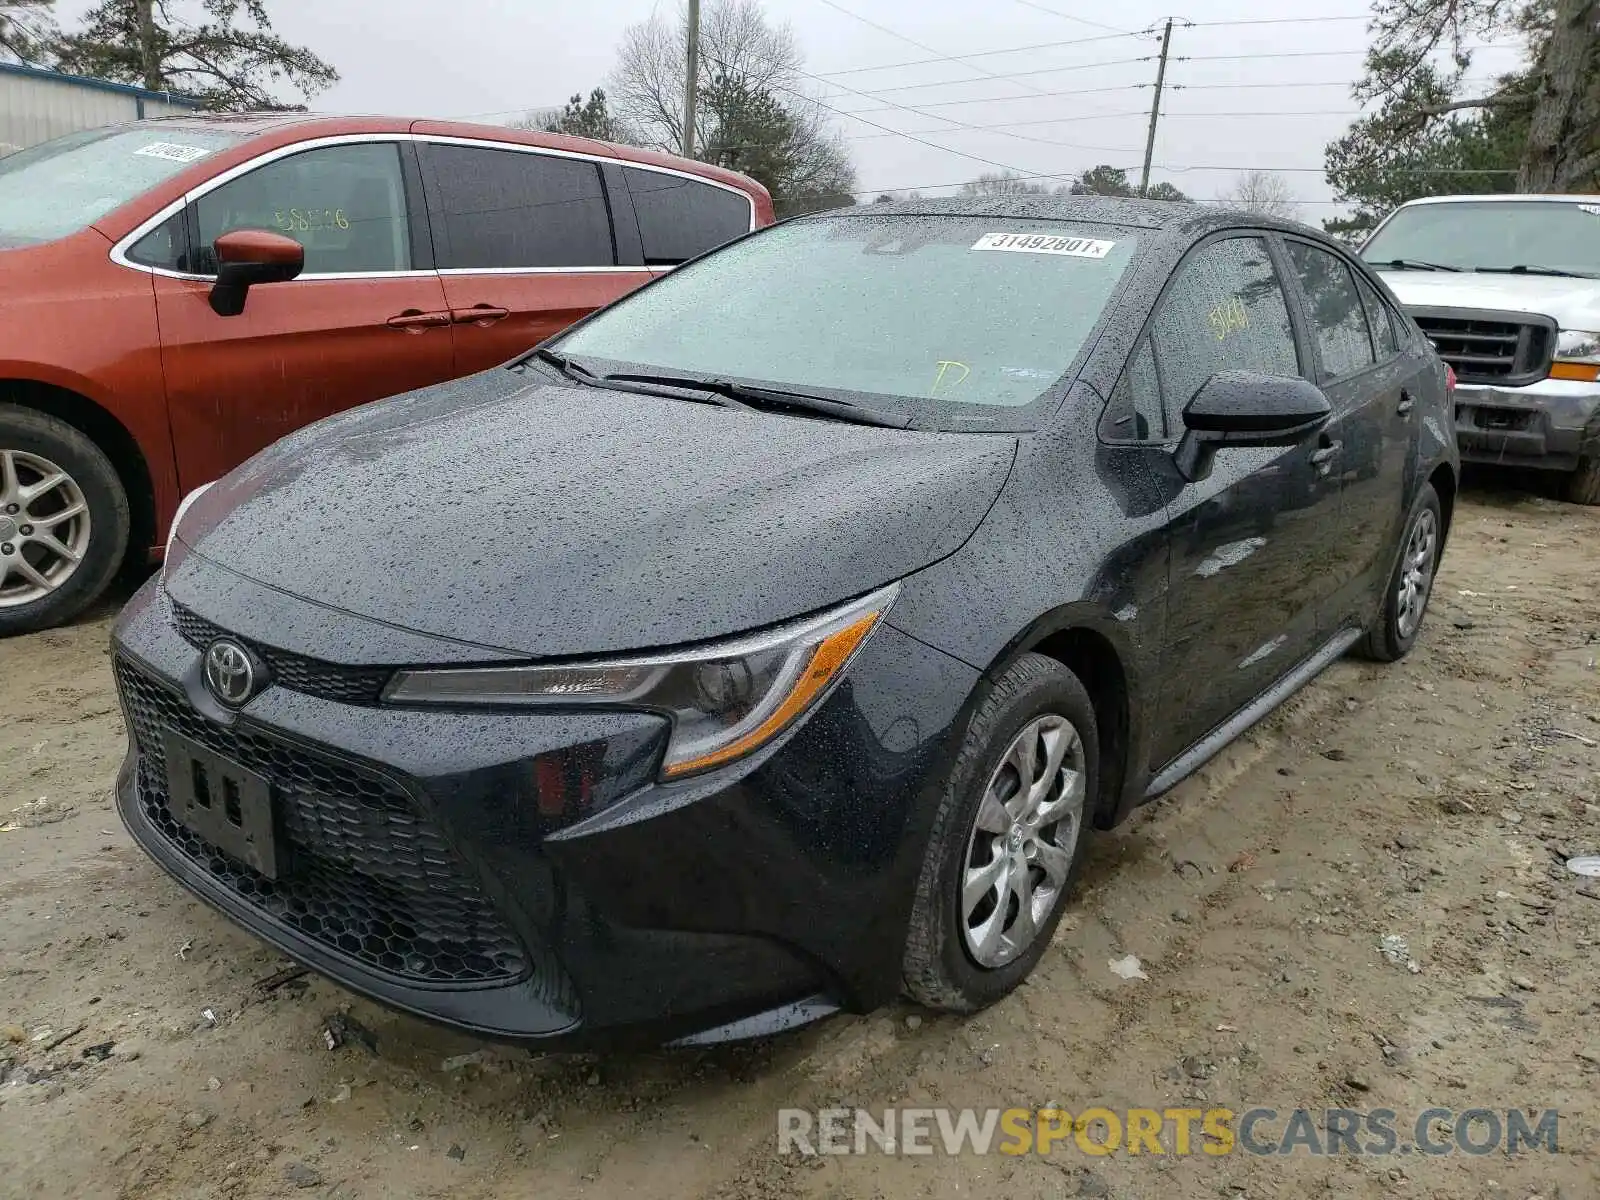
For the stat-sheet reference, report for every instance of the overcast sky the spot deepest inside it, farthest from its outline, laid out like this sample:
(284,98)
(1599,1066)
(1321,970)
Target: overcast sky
(491,59)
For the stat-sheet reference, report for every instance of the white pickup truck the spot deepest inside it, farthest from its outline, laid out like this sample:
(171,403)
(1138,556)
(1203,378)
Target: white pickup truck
(1507,288)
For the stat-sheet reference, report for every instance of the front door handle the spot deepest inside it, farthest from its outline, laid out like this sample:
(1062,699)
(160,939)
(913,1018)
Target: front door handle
(1406,403)
(479,314)
(414,320)
(1323,459)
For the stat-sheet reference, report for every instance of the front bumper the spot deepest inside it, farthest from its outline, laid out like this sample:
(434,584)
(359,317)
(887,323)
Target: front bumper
(1549,424)
(522,875)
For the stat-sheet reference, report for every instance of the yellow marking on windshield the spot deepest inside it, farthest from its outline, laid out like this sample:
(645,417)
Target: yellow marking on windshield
(944,365)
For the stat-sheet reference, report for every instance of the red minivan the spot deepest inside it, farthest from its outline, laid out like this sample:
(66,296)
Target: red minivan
(178,293)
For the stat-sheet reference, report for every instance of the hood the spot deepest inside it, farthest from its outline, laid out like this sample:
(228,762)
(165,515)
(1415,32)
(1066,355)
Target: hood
(545,521)
(1571,303)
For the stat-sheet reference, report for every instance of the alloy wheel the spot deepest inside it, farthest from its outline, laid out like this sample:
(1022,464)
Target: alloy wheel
(1023,840)
(1416,573)
(44,527)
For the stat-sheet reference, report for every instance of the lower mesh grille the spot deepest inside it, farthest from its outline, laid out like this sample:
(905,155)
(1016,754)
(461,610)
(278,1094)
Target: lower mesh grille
(368,876)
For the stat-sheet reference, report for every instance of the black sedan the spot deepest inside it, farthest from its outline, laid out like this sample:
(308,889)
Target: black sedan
(770,642)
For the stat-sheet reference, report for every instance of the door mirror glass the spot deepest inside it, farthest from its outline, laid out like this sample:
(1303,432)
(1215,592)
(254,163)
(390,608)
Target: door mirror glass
(1245,408)
(247,257)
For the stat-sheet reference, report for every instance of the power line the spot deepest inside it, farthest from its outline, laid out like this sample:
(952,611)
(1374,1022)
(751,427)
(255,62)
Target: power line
(1068,16)
(1297,83)
(1009,75)
(1131,112)
(956,125)
(910,41)
(1124,87)
(1317,53)
(1277,21)
(909,136)
(1127,112)
(1099,91)
(923,62)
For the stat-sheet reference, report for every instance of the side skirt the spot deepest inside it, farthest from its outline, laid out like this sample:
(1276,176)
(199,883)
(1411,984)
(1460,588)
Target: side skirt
(1192,759)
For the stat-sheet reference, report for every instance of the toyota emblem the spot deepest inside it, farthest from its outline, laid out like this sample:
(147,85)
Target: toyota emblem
(230,673)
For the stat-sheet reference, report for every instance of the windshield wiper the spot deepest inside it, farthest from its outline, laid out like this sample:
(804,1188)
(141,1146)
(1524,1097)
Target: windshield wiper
(1414,264)
(570,368)
(762,396)
(1525,269)
(686,387)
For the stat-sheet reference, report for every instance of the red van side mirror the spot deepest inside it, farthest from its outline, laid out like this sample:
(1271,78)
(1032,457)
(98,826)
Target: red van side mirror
(246,257)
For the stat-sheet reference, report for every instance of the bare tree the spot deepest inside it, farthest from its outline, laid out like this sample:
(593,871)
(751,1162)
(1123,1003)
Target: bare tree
(26,29)
(753,113)
(1262,192)
(1004,183)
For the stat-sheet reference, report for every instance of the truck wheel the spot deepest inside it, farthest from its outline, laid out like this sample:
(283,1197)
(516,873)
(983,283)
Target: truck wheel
(63,521)
(1583,485)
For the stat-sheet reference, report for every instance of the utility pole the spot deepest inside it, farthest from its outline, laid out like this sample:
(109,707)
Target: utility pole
(691,78)
(1155,110)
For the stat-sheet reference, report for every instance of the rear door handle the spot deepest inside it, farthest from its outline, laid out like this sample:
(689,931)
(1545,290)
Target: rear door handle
(414,320)
(1406,403)
(1323,459)
(479,314)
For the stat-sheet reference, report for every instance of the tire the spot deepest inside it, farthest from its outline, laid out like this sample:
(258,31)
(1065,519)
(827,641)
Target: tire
(1399,625)
(1583,485)
(942,967)
(33,447)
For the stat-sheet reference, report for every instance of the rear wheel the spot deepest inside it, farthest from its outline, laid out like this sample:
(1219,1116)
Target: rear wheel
(1007,841)
(1405,600)
(63,521)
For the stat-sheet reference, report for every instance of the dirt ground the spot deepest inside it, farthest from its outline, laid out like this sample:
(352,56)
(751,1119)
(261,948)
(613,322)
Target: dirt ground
(1433,801)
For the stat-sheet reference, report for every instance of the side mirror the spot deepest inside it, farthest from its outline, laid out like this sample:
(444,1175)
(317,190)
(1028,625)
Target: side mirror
(1245,408)
(246,257)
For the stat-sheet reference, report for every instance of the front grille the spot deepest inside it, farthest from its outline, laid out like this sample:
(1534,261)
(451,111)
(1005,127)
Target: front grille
(1503,348)
(367,875)
(330,681)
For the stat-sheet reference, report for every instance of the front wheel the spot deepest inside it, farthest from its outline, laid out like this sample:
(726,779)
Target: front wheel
(1583,485)
(1405,600)
(1007,841)
(63,521)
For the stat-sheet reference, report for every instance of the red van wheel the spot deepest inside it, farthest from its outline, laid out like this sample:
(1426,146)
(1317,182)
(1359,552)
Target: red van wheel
(63,521)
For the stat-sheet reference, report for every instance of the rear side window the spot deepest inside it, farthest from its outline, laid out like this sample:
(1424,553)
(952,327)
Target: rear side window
(1338,318)
(680,218)
(1225,311)
(509,209)
(1384,342)
(345,204)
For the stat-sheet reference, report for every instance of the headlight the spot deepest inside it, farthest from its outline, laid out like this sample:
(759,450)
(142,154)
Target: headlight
(725,701)
(167,562)
(1577,356)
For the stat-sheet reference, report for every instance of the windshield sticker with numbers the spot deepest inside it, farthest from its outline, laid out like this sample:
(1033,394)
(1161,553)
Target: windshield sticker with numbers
(173,152)
(1592,209)
(1043,243)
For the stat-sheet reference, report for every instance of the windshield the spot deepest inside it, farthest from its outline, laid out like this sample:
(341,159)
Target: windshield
(59,187)
(1493,234)
(947,318)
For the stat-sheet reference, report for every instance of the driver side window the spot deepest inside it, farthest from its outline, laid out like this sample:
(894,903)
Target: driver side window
(345,204)
(1224,311)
